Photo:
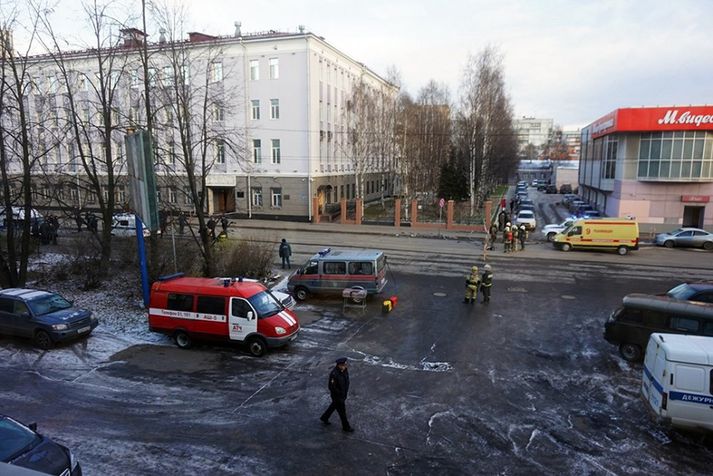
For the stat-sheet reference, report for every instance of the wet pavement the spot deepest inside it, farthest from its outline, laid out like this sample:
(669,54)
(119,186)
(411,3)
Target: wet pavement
(525,385)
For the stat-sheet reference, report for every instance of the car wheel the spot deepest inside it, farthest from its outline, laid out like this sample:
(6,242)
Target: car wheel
(708,246)
(183,340)
(622,250)
(565,247)
(668,243)
(43,340)
(630,352)
(301,293)
(551,236)
(257,346)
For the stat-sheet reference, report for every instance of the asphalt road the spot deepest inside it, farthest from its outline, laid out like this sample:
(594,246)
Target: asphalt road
(525,385)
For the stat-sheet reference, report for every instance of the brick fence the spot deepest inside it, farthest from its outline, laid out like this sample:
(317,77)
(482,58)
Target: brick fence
(450,225)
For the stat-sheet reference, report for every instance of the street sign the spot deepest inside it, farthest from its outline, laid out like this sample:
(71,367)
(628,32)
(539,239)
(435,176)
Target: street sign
(442,202)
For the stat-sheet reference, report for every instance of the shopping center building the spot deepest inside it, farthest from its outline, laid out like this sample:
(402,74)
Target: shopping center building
(651,163)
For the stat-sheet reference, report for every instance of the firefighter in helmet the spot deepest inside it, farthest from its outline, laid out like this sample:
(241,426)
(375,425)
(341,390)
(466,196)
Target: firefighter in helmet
(472,283)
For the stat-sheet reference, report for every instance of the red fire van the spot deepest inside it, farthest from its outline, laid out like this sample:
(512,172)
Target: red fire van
(220,309)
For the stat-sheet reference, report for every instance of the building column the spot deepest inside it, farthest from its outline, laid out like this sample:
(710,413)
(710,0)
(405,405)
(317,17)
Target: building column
(414,212)
(343,208)
(488,210)
(449,213)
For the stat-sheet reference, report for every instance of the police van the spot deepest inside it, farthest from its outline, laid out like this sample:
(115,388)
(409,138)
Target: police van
(677,381)
(220,309)
(331,271)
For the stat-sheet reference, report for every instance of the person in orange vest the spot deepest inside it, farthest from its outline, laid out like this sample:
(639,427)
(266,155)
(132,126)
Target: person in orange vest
(507,238)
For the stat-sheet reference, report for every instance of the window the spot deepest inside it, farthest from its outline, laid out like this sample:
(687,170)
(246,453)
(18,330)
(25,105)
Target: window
(274,68)
(254,70)
(120,194)
(172,197)
(335,267)
(257,153)
(84,84)
(274,108)
(171,152)
(676,155)
(134,79)
(276,197)
(311,267)
(211,305)
(218,112)
(187,196)
(684,324)
(361,267)
(609,168)
(255,109)
(153,77)
(256,194)
(631,315)
(689,378)
(240,307)
(216,71)
(220,151)
(275,151)
(180,302)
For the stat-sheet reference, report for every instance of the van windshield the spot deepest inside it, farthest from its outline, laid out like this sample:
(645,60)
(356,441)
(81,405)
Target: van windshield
(380,263)
(265,304)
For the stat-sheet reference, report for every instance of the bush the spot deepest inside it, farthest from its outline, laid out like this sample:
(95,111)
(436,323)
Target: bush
(248,257)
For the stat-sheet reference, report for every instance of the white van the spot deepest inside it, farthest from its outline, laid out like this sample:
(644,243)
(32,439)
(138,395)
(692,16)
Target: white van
(677,381)
(124,224)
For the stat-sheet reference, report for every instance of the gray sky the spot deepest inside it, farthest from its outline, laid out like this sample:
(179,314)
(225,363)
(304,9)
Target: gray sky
(572,61)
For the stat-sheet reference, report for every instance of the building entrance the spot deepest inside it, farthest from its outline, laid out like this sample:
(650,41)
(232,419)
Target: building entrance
(693,216)
(223,200)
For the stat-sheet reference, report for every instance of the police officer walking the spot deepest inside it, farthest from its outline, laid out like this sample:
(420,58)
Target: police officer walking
(338,389)
(486,283)
(211,227)
(472,283)
(285,251)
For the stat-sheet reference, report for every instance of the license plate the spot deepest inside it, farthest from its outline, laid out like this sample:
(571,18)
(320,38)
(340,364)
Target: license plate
(83,330)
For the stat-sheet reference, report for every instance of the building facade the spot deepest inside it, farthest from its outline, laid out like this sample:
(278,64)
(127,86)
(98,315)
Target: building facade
(532,131)
(652,163)
(270,121)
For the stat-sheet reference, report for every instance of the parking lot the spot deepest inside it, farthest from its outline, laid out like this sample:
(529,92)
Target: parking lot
(525,385)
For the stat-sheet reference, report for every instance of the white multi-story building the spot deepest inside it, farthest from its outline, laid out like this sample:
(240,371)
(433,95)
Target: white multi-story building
(276,110)
(531,130)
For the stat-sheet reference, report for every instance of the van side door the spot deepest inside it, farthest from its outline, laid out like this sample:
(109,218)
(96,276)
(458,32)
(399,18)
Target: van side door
(242,319)
(334,275)
(362,273)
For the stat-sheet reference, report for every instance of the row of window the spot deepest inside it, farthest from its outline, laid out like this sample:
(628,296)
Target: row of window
(676,155)
(255,109)
(274,151)
(157,77)
(256,197)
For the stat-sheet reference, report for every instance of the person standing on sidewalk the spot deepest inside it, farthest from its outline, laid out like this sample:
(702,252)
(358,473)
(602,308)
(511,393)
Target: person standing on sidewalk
(285,251)
(338,389)
(182,223)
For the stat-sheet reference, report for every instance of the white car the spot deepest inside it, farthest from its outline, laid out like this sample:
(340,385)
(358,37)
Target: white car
(552,229)
(124,224)
(527,218)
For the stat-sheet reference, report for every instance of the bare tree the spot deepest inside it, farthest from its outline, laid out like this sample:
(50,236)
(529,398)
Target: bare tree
(484,121)
(16,151)
(189,99)
(93,109)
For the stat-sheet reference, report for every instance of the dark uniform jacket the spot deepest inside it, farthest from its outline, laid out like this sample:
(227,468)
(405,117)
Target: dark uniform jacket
(285,250)
(487,279)
(339,384)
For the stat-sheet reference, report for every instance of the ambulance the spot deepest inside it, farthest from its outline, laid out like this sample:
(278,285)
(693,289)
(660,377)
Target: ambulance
(228,309)
(618,234)
(677,381)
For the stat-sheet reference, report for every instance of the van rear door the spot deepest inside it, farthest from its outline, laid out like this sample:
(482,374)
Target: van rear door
(691,394)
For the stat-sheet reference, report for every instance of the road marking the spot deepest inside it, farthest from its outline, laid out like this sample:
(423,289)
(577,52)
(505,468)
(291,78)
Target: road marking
(567,296)
(517,290)
(440,294)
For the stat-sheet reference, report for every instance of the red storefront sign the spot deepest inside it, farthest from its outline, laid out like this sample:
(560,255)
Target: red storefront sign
(643,119)
(695,198)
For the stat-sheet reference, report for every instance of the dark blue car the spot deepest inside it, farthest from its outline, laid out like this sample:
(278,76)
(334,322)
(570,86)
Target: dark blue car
(43,316)
(22,446)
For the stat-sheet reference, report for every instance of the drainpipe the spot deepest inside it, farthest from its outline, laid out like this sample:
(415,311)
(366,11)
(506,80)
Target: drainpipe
(309,135)
(247,109)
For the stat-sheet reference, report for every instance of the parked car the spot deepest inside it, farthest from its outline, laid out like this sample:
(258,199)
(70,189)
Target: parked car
(22,446)
(43,316)
(18,215)
(552,229)
(541,187)
(124,224)
(692,237)
(566,188)
(569,197)
(700,292)
(592,214)
(526,206)
(526,201)
(583,210)
(575,204)
(527,218)
(550,189)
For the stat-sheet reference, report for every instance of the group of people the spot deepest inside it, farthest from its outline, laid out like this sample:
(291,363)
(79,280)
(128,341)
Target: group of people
(224,224)
(89,218)
(47,230)
(514,237)
(476,282)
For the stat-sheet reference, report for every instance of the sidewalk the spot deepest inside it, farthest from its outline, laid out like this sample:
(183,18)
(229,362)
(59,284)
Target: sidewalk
(377,230)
